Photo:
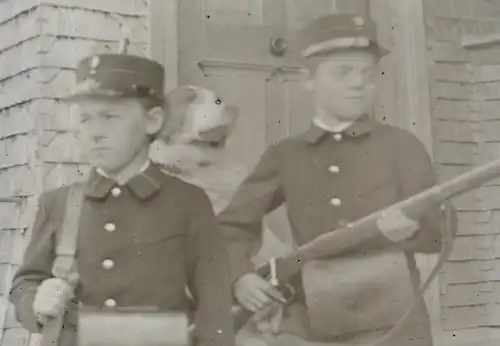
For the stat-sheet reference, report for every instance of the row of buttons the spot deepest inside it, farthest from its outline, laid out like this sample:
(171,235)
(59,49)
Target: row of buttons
(335,201)
(335,169)
(109,263)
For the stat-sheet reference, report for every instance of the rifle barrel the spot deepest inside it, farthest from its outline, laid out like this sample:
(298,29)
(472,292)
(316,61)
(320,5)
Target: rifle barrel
(337,241)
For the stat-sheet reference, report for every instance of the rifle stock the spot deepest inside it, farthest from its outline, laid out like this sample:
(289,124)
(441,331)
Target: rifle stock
(364,230)
(52,331)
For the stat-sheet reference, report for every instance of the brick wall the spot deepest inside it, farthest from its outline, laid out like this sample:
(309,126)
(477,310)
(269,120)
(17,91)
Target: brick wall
(465,99)
(40,42)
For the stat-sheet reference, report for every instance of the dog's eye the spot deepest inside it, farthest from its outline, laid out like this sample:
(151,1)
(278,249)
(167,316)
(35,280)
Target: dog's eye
(218,101)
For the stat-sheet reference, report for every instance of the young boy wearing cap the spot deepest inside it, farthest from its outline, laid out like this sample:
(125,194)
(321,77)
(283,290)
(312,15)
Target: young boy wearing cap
(143,236)
(344,167)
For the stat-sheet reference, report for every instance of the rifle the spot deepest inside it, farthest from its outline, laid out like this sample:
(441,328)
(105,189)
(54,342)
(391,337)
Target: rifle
(364,231)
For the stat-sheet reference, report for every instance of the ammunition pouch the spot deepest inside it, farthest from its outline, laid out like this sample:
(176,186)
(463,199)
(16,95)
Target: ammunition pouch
(132,327)
(357,293)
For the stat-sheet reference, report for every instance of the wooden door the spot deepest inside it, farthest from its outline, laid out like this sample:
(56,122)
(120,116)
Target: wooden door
(224,45)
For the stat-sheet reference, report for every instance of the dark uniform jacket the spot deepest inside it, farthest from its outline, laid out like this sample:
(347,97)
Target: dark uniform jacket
(139,245)
(327,181)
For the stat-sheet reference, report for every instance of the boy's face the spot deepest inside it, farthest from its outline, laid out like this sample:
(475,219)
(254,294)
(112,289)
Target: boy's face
(114,131)
(343,84)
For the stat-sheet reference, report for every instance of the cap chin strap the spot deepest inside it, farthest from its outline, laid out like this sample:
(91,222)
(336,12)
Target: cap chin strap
(336,44)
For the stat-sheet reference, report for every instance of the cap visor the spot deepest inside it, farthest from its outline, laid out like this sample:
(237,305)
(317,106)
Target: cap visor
(342,44)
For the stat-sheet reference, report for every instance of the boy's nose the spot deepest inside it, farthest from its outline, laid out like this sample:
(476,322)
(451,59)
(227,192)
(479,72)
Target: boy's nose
(98,138)
(356,80)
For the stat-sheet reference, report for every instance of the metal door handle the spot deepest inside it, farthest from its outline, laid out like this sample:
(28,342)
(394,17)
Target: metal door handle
(278,46)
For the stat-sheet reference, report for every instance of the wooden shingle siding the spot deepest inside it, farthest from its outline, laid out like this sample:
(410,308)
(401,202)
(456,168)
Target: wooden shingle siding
(17,144)
(478,223)
(40,43)
(465,101)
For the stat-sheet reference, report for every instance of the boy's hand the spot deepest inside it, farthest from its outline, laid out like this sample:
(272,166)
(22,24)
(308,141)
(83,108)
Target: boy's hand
(254,293)
(51,298)
(396,226)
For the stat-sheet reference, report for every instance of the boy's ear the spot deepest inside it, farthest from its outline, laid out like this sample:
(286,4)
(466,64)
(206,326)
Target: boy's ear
(155,120)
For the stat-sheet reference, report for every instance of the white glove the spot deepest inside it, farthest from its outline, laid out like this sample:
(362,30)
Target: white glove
(51,298)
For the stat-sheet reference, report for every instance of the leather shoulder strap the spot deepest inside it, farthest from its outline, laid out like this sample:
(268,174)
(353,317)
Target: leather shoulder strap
(448,237)
(65,257)
(68,234)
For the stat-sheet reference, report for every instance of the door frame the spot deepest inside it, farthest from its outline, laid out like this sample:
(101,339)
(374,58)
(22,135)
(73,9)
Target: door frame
(163,38)
(413,99)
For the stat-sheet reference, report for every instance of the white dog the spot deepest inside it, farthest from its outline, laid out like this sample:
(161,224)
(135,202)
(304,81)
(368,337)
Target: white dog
(193,143)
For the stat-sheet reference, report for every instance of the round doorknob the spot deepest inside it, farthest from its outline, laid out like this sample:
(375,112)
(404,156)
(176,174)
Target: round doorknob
(278,46)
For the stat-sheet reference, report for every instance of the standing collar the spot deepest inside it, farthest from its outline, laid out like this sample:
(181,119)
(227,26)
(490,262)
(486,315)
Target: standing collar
(143,185)
(144,167)
(362,126)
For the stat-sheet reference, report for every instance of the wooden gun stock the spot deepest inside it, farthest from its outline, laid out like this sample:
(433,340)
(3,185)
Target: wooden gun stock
(364,230)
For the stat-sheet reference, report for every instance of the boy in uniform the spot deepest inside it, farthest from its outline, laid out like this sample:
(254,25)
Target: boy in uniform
(345,167)
(143,236)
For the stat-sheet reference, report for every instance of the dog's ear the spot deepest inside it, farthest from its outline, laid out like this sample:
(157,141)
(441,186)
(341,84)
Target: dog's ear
(176,104)
(183,95)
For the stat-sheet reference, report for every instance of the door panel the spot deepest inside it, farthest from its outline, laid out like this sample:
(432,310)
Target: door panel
(249,94)
(239,12)
(300,12)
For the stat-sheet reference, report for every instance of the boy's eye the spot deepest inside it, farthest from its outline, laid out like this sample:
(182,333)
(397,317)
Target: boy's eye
(206,144)
(214,144)
(345,70)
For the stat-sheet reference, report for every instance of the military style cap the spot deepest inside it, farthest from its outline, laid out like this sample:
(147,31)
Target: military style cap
(117,74)
(335,32)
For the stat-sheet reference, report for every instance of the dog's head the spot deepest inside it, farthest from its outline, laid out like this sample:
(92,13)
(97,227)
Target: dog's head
(196,115)
(198,123)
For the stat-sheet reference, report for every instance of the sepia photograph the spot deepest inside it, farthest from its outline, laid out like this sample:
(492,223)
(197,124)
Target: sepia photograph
(249,172)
